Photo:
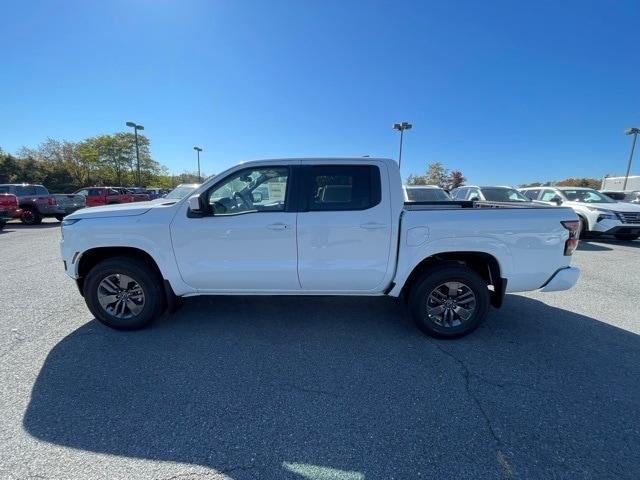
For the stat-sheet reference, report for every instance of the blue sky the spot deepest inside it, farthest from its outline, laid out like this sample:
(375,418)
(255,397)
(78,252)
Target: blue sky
(506,91)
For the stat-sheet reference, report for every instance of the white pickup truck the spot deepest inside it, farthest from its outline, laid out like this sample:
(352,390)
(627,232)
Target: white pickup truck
(316,227)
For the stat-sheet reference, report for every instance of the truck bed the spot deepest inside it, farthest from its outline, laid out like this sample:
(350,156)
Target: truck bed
(455,204)
(526,240)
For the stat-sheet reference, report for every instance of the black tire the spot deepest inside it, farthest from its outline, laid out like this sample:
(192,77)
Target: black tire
(627,236)
(30,216)
(581,229)
(59,217)
(147,279)
(435,279)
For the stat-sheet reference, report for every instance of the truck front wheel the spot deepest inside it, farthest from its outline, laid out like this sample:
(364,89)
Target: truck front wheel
(124,293)
(31,216)
(449,301)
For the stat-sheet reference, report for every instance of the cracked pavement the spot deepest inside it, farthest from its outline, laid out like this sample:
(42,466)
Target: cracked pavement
(318,388)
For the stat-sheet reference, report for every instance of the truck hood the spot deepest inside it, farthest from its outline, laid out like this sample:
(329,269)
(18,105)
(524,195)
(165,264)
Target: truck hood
(118,210)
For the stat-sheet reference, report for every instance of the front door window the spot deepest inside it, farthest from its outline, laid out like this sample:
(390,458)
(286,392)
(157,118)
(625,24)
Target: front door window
(255,190)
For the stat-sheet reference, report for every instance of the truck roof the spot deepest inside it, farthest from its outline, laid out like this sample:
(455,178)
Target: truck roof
(321,159)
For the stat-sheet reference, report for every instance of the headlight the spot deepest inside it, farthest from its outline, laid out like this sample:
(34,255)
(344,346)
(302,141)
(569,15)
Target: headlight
(70,221)
(604,214)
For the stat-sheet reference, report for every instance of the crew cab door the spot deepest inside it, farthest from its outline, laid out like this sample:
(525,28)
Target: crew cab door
(344,228)
(246,240)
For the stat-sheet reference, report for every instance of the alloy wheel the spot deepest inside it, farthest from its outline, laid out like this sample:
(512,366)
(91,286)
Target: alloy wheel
(121,296)
(451,304)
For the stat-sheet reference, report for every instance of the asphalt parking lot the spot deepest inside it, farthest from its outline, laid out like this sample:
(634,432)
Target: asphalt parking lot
(318,388)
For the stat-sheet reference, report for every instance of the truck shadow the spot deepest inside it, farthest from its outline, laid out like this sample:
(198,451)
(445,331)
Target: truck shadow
(284,387)
(607,243)
(590,246)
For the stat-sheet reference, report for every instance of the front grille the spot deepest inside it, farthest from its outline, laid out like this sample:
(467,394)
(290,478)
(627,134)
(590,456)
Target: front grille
(629,217)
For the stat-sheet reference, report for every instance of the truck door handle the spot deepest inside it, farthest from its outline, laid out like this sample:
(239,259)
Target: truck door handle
(277,226)
(373,226)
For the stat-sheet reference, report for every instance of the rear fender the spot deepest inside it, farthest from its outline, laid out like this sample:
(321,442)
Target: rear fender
(411,257)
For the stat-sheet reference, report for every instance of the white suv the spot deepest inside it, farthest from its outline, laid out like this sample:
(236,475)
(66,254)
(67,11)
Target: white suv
(598,213)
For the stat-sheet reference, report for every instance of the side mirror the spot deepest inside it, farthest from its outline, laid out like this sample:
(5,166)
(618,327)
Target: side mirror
(256,197)
(557,200)
(194,204)
(474,198)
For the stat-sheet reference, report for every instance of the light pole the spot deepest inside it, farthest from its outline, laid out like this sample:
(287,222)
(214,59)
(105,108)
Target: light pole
(630,131)
(401,127)
(198,150)
(136,127)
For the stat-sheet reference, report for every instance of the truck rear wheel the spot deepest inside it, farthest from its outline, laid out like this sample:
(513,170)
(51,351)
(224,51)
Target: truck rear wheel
(30,216)
(449,301)
(124,293)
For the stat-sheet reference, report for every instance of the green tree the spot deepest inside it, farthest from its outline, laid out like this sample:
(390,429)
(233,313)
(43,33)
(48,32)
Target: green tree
(580,182)
(416,180)
(436,174)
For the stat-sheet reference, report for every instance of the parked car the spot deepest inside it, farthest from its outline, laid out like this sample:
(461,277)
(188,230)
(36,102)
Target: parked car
(598,213)
(425,193)
(34,200)
(330,227)
(488,194)
(69,203)
(155,193)
(619,196)
(9,208)
(96,196)
(181,191)
(139,194)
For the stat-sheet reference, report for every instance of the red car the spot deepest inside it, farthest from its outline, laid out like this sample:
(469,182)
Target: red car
(96,196)
(9,208)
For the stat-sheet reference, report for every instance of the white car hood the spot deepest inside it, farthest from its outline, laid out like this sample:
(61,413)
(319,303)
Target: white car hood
(616,207)
(117,210)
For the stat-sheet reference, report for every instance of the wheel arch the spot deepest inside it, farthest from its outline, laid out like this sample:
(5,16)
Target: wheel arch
(585,221)
(93,256)
(484,264)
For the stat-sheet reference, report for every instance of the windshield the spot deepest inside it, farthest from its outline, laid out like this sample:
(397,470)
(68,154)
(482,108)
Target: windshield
(504,195)
(426,195)
(180,191)
(586,196)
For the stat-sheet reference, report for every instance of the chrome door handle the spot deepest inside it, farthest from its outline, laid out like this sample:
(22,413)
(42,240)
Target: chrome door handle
(373,226)
(278,226)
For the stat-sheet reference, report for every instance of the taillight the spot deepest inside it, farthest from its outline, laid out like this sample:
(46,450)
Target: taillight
(51,201)
(574,234)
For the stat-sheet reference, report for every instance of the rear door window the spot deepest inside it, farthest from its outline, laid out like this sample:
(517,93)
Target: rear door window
(615,195)
(26,190)
(547,195)
(343,187)
(473,194)
(40,190)
(459,193)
